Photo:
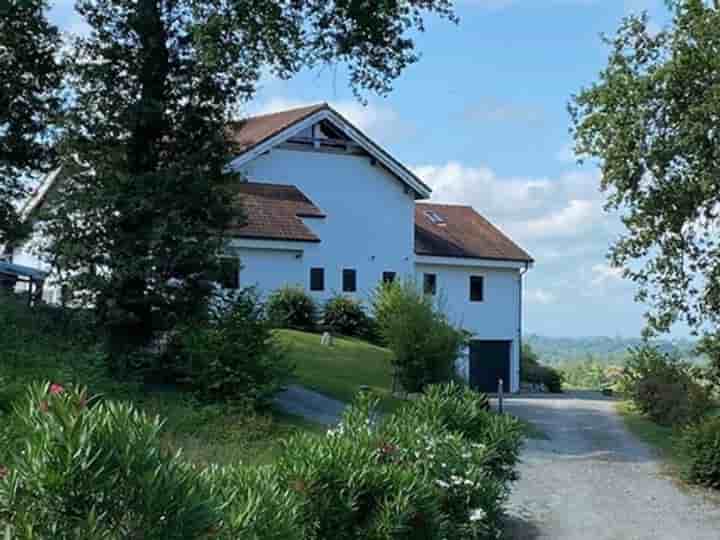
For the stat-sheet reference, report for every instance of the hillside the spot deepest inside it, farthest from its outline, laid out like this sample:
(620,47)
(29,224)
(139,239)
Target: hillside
(556,350)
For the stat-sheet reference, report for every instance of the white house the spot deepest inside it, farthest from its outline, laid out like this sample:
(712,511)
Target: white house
(329,210)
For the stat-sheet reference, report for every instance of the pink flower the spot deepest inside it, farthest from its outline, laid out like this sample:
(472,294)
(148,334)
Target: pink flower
(55,389)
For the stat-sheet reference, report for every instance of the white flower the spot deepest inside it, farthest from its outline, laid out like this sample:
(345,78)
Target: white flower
(477,515)
(442,484)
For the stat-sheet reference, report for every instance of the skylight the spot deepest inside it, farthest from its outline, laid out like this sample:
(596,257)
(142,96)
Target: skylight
(434,217)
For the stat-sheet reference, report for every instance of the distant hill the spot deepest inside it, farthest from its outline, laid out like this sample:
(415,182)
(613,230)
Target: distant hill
(554,350)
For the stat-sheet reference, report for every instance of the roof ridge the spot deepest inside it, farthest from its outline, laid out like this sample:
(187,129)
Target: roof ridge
(316,106)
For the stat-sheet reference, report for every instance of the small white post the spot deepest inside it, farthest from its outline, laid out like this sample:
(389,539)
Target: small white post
(500,396)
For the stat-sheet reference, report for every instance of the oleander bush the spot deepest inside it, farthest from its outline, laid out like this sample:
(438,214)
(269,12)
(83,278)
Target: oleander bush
(292,307)
(346,316)
(81,468)
(234,355)
(699,443)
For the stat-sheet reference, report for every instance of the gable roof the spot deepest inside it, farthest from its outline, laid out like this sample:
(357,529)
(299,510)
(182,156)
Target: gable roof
(274,212)
(461,232)
(256,135)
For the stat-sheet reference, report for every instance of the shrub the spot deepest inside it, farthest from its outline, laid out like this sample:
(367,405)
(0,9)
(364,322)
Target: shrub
(425,344)
(700,444)
(235,355)
(345,316)
(292,307)
(662,388)
(256,504)
(84,469)
(531,371)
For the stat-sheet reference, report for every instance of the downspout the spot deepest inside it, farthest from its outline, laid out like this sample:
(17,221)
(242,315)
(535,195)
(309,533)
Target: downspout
(523,271)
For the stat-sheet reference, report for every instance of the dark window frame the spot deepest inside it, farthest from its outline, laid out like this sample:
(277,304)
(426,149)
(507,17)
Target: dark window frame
(317,279)
(389,277)
(430,284)
(349,280)
(477,295)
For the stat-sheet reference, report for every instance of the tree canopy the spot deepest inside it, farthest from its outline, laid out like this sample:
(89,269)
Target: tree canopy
(146,196)
(652,121)
(30,81)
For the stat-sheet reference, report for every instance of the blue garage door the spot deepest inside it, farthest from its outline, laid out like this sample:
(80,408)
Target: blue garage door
(489,362)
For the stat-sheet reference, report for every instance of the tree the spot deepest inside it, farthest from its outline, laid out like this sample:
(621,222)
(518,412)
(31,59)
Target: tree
(30,80)
(140,216)
(652,123)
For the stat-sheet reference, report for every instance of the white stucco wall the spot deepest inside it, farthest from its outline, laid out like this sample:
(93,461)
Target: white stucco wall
(496,318)
(369,225)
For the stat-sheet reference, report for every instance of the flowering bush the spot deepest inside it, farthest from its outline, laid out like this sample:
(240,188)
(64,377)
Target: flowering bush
(345,316)
(87,469)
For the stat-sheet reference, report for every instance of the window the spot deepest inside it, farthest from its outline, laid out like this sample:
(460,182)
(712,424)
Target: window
(434,217)
(349,280)
(228,273)
(430,284)
(317,279)
(388,277)
(476,288)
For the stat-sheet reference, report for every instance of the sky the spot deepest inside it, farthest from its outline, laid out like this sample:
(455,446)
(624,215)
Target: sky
(482,118)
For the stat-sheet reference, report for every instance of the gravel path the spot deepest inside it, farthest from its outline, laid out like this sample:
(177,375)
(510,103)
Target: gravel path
(592,480)
(311,405)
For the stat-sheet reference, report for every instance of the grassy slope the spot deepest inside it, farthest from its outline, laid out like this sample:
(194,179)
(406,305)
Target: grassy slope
(32,350)
(340,370)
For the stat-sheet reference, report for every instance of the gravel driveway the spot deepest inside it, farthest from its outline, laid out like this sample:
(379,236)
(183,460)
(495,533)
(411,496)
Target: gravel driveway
(592,480)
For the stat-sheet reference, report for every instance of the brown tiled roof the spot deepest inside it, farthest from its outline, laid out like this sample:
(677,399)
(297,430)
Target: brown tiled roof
(252,131)
(463,233)
(273,212)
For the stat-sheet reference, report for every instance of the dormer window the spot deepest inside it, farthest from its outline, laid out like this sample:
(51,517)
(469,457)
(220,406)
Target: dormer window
(434,217)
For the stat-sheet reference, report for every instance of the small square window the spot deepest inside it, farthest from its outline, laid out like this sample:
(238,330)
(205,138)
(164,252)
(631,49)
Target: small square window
(228,273)
(476,288)
(317,279)
(349,280)
(430,284)
(388,277)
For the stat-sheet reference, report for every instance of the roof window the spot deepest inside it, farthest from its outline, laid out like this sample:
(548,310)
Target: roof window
(434,217)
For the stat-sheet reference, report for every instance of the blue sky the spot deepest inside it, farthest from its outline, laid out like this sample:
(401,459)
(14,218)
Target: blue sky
(482,118)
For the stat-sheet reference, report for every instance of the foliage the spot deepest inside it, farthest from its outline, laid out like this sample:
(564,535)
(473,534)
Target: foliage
(256,505)
(95,470)
(234,356)
(409,475)
(424,343)
(700,443)
(663,389)
(459,409)
(30,80)
(650,122)
(292,307)
(140,215)
(531,371)
(345,316)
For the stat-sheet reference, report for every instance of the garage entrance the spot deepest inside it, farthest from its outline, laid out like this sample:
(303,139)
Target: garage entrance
(489,361)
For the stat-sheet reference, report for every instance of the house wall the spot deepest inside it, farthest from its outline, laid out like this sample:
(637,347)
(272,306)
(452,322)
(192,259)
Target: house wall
(369,225)
(497,317)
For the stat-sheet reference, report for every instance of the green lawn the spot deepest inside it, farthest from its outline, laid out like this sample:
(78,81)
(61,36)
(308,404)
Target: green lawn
(340,370)
(34,349)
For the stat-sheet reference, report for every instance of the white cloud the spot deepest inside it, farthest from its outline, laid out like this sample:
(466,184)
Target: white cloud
(540,296)
(605,274)
(379,121)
